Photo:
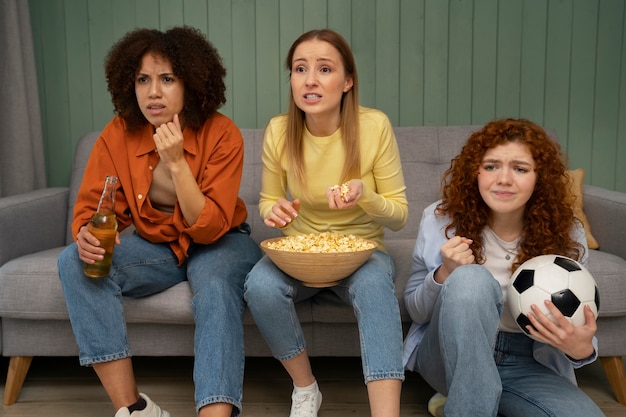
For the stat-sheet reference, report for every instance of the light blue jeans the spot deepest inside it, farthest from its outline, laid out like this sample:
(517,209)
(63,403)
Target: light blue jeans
(271,294)
(485,372)
(216,274)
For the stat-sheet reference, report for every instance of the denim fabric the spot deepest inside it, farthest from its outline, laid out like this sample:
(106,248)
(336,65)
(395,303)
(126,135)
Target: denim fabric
(140,268)
(271,294)
(482,371)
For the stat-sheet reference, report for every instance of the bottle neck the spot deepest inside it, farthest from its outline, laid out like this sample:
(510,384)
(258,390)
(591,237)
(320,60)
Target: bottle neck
(107,199)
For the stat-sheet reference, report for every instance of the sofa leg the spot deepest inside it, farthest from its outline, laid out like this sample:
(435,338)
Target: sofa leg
(18,368)
(614,369)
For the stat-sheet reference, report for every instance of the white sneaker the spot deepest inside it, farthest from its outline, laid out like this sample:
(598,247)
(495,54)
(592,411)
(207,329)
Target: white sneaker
(151,410)
(435,405)
(305,404)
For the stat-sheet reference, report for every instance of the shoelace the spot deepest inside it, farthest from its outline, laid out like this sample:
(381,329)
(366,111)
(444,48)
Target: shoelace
(299,403)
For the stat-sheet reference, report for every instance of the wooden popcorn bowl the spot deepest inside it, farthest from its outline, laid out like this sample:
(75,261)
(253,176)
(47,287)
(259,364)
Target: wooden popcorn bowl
(317,269)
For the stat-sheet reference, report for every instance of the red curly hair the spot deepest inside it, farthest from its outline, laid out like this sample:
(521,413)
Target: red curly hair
(194,60)
(548,215)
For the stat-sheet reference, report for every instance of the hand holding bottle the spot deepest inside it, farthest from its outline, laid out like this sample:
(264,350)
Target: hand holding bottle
(96,240)
(90,248)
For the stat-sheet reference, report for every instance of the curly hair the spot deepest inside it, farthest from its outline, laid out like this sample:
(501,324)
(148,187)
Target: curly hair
(193,58)
(548,215)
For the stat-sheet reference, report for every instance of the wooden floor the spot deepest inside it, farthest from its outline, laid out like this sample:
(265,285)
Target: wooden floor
(58,387)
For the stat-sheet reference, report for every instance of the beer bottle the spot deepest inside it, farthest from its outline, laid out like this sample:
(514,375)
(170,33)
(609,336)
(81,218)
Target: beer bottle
(103,225)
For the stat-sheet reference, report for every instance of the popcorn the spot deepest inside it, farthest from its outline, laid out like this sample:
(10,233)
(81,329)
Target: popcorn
(343,190)
(325,242)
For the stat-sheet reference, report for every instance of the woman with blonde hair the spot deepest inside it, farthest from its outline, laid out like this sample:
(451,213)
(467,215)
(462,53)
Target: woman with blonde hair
(325,139)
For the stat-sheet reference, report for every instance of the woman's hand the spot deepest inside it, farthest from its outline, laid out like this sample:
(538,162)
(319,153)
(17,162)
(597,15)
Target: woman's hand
(455,252)
(88,245)
(168,139)
(283,213)
(349,199)
(574,341)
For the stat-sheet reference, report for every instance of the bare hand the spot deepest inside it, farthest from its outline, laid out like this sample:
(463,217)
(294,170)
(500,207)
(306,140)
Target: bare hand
(349,199)
(168,139)
(88,245)
(455,252)
(574,341)
(283,213)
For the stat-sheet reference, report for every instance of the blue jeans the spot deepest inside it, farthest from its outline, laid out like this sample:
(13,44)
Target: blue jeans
(485,372)
(216,274)
(271,294)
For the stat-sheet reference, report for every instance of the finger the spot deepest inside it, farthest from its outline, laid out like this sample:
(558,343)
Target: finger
(286,207)
(562,322)
(553,332)
(282,213)
(535,329)
(88,252)
(537,318)
(87,239)
(590,317)
(289,208)
(467,241)
(331,194)
(177,122)
(296,206)
(277,221)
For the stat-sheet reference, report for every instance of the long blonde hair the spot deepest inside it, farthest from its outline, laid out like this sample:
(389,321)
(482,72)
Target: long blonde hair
(349,112)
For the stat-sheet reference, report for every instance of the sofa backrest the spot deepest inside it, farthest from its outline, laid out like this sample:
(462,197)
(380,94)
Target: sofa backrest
(81,155)
(425,153)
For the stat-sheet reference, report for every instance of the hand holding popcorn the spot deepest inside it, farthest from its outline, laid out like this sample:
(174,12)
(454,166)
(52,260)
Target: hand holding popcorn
(345,195)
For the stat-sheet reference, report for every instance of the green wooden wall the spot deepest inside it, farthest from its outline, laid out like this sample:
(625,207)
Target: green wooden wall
(561,63)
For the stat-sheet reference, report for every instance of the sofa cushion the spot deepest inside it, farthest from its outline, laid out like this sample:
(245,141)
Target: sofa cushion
(608,271)
(31,289)
(577,177)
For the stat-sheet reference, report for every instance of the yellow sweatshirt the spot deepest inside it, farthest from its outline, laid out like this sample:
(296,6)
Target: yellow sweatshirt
(383,203)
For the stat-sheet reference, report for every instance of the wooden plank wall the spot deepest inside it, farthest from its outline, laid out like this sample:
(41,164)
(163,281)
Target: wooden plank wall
(561,63)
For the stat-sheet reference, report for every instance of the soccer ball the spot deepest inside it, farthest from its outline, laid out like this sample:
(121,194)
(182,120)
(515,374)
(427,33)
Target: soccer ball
(564,281)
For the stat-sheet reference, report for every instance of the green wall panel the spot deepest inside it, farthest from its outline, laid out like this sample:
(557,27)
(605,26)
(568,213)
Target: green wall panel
(411,63)
(558,64)
(459,106)
(484,47)
(561,63)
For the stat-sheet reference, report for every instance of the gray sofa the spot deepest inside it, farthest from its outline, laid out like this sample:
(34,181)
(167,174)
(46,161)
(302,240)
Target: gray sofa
(34,229)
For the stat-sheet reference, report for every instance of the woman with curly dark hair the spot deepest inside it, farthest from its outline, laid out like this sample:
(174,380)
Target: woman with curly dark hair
(505,200)
(179,164)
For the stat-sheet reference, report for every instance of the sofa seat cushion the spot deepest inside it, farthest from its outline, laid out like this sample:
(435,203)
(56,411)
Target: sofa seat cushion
(31,289)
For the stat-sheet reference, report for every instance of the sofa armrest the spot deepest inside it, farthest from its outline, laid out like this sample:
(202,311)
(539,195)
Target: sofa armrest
(32,221)
(606,211)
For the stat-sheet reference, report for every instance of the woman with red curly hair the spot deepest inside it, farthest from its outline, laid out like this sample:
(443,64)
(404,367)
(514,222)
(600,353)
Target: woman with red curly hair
(179,163)
(505,201)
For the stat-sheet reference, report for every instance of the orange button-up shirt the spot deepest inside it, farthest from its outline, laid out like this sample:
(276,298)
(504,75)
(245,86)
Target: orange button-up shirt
(215,156)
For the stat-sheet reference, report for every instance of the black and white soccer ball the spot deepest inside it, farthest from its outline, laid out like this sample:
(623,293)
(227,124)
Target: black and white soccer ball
(564,281)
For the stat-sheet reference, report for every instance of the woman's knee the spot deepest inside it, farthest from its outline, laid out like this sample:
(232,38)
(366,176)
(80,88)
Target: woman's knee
(68,261)
(261,282)
(470,284)
(377,272)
